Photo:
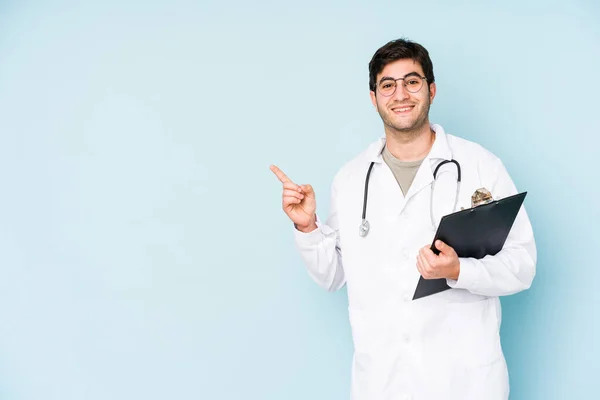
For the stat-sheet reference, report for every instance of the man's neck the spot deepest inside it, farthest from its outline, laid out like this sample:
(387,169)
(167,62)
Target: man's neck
(410,145)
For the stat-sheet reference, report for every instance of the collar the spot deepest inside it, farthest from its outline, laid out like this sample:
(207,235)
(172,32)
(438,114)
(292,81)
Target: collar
(439,151)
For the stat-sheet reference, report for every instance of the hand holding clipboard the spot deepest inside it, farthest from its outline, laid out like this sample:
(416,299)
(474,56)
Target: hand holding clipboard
(474,232)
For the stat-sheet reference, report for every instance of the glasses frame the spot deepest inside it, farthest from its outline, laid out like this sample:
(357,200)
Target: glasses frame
(387,78)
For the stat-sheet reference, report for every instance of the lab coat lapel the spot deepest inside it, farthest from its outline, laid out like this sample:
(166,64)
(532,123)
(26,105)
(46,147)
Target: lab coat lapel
(439,151)
(384,178)
(423,178)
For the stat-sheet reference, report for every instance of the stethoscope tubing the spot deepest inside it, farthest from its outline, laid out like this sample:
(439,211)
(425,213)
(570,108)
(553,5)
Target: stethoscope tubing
(364,226)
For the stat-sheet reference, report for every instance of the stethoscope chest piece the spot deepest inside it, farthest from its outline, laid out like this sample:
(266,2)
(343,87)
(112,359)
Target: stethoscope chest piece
(363,230)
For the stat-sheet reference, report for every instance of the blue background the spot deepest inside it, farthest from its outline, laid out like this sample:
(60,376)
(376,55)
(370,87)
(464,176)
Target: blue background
(143,249)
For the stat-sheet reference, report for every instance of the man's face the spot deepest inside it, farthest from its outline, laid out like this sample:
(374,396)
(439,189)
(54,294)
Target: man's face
(403,111)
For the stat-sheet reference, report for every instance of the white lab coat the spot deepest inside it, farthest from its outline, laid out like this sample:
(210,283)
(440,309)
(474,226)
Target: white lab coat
(444,346)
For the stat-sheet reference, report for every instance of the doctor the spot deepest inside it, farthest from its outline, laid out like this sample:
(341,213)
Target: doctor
(444,346)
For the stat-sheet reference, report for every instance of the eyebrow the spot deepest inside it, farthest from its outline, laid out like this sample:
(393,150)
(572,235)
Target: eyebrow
(389,78)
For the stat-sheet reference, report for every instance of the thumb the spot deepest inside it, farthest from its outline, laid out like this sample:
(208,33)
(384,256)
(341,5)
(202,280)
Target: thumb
(308,190)
(442,247)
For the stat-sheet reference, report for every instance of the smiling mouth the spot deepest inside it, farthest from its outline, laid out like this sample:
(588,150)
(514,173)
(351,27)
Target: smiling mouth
(402,109)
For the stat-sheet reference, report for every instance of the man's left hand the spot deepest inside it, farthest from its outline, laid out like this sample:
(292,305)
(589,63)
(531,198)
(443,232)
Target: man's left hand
(444,265)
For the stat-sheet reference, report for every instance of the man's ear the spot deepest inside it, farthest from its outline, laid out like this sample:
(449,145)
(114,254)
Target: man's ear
(373,99)
(432,91)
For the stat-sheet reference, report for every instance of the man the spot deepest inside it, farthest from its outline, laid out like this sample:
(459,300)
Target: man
(443,346)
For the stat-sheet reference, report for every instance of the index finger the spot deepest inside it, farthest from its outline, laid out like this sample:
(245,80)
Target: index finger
(280,175)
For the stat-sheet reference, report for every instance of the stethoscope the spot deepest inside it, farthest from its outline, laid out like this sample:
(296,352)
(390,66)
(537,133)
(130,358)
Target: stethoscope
(364,226)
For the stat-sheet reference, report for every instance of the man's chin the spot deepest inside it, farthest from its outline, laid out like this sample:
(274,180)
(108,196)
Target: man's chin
(407,127)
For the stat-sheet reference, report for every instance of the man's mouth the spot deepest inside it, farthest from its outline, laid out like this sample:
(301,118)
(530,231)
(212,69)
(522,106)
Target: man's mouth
(402,109)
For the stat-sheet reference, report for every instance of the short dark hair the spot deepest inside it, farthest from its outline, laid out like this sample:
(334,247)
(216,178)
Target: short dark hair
(400,49)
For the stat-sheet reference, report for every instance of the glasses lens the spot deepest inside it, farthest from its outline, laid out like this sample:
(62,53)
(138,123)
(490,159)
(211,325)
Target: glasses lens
(413,83)
(387,87)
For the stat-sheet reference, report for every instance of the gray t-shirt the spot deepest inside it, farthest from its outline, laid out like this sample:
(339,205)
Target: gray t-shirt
(404,171)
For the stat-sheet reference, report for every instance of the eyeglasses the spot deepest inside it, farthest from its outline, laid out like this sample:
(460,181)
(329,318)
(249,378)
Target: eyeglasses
(412,82)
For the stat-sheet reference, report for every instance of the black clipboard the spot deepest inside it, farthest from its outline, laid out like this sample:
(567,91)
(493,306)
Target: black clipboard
(474,232)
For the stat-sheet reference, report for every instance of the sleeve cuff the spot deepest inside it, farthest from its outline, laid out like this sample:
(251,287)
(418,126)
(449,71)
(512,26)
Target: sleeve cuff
(310,238)
(467,277)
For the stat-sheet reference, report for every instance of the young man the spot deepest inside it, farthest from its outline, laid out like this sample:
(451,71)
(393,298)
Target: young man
(443,346)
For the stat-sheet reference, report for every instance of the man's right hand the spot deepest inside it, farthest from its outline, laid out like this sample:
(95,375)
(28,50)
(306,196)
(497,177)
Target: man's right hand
(298,202)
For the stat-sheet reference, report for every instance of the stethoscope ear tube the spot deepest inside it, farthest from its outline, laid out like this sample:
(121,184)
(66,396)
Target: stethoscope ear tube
(364,226)
(446,162)
(458,180)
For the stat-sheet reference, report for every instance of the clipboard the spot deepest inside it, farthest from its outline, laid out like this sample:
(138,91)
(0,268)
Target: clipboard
(474,232)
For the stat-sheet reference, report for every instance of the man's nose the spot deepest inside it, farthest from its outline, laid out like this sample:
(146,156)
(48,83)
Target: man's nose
(401,93)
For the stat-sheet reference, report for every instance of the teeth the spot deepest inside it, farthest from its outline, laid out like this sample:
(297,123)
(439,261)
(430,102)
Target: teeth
(402,109)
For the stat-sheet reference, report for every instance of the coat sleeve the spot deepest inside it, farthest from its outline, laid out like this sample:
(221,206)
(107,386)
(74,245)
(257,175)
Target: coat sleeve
(320,250)
(513,268)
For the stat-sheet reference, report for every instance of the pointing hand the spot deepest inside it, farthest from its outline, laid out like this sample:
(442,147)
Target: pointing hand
(298,202)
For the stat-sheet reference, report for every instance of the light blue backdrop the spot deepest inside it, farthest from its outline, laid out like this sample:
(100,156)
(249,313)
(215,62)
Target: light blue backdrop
(143,250)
